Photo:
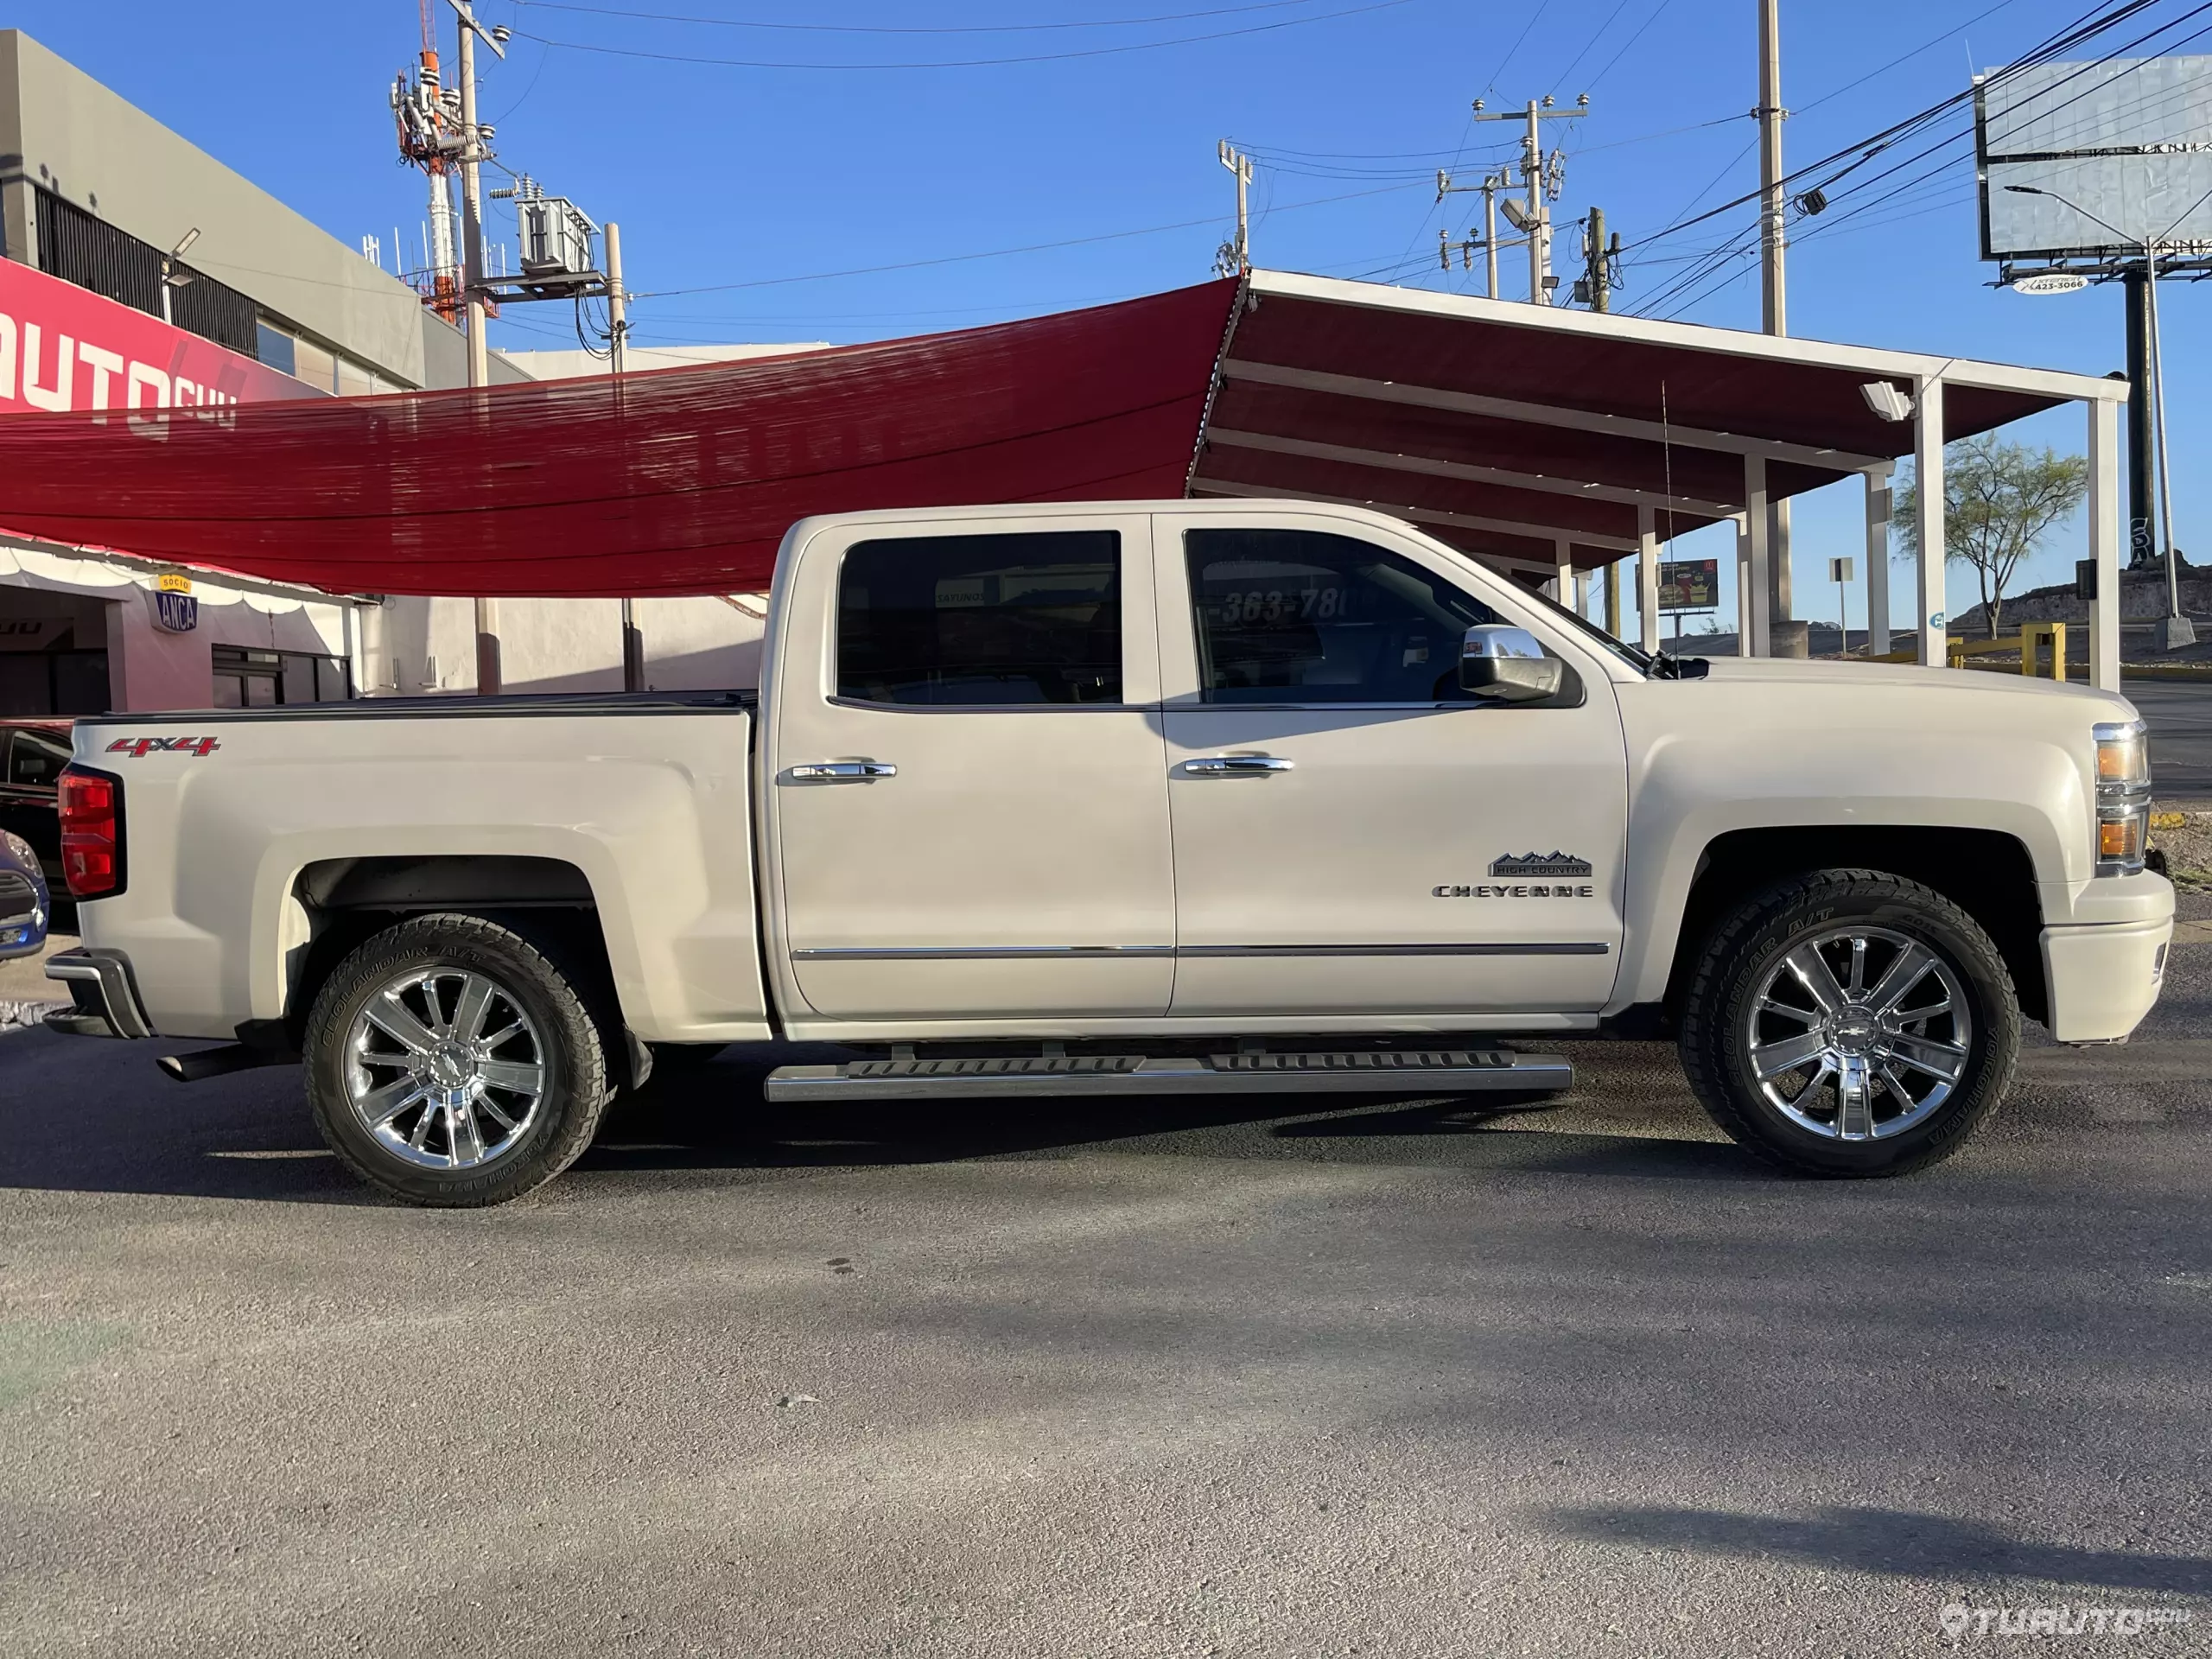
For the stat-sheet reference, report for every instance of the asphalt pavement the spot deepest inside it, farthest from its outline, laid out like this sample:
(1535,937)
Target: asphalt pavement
(2180,717)
(1165,1379)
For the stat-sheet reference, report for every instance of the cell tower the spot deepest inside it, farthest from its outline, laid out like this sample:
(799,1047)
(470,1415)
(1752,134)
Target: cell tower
(427,117)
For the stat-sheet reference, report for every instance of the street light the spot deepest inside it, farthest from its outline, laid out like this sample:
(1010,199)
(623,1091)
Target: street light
(2175,631)
(171,283)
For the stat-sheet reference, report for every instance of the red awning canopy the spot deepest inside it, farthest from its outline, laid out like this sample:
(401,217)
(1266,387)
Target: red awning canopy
(671,481)
(1525,434)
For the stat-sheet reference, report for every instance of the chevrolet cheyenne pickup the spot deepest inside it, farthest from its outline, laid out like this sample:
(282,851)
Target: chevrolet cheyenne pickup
(1258,796)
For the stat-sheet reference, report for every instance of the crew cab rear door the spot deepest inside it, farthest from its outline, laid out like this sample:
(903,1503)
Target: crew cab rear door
(1354,835)
(966,808)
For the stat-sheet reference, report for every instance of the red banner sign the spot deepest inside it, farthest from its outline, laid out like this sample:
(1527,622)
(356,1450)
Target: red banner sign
(64,347)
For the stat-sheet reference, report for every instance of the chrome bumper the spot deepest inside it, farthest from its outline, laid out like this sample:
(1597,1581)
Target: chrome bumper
(104,997)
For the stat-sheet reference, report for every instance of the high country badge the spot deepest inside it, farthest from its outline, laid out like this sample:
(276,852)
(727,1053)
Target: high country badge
(1549,867)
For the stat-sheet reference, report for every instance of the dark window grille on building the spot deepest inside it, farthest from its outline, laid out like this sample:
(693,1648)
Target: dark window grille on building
(261,680)
(80,248)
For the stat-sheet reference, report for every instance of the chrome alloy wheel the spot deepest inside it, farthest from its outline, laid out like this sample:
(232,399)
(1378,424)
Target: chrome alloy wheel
(445,1069)
(1859,1034)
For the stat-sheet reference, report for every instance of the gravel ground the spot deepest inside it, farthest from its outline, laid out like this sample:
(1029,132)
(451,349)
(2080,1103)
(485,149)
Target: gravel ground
(1166,1380)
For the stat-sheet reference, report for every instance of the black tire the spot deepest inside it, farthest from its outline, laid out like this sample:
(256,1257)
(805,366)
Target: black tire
(535,979)
(1716,1029)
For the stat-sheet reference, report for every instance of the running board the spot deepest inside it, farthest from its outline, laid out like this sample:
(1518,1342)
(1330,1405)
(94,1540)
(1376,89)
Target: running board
(1445,1071)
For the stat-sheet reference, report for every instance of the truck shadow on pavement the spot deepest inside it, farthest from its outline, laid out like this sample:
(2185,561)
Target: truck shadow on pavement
(1894,1543)
(125,1128)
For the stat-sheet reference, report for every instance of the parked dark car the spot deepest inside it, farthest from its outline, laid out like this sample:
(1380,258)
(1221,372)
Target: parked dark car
(32,755)
(24,907)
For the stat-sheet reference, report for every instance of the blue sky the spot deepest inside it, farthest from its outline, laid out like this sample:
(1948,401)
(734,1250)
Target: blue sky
(752,177)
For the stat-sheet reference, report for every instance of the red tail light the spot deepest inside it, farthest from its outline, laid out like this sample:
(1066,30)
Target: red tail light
(91,833)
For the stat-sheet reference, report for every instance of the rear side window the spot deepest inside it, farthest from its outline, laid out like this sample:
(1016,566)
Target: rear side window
(35,761)
(983,620)
(1301,616)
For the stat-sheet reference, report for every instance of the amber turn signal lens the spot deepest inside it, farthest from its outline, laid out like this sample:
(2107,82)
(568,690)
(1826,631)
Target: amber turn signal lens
(2121,839)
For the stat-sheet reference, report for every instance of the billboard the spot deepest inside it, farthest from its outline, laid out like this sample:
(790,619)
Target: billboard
(64,347)
(2085,159)
(1689,585)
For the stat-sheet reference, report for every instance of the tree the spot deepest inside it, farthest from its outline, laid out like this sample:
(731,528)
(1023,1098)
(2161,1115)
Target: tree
(1999,500)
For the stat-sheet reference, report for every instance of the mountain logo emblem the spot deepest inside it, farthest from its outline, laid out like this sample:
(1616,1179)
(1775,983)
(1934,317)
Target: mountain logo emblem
(1542,866)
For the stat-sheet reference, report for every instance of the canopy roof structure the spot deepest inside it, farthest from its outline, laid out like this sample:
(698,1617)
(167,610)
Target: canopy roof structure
(1531,436)
(1516,431)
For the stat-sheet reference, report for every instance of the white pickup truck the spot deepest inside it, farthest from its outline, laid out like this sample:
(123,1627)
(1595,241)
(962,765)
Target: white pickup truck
(1129,798)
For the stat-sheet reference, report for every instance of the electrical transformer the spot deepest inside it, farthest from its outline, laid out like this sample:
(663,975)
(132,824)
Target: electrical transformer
(555,237)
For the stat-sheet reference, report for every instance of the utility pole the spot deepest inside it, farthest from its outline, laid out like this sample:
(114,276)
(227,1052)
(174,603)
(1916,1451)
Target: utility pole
(1774,309)
(1235,258)
(617,333)
(1541,181)
(1491,184)
(471,285)
(1599,257)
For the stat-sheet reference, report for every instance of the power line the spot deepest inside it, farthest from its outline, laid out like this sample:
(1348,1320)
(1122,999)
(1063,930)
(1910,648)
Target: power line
(963,63)
(1925,46)
(1714,277)
(1001,253)
(1560,81)
(1514,50)
(1859,153)
(899,28)
(1629,44)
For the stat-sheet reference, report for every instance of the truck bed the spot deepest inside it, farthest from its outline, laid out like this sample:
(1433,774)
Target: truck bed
(248,847)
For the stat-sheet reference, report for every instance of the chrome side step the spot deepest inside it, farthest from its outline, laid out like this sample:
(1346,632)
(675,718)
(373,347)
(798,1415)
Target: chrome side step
(1437,1070)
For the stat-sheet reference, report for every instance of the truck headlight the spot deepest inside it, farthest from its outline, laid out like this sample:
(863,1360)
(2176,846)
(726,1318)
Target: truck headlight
(2123,796)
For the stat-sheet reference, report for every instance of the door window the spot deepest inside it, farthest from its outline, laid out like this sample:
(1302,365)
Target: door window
(34,761)
(996,621)
(1301,616)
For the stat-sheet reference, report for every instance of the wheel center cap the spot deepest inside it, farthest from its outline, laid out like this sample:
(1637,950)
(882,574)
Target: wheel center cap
(451,1065)
(1855,1030)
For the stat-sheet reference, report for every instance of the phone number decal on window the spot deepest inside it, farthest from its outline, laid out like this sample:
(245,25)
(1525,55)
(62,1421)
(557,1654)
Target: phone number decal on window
(1280,605)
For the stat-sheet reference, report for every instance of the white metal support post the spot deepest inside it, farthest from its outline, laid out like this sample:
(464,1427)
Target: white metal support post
(1647,576)
(1582,593)
(1928,495)
(1877,561)
(2104,543)
(1761,554)
(1743,584)
(1563,571)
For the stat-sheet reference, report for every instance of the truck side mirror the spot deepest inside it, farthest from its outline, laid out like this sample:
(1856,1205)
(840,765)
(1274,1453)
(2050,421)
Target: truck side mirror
(1508,665)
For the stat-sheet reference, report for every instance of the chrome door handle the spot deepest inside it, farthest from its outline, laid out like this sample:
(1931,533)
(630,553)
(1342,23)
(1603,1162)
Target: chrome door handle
(842,772)
(1234,766)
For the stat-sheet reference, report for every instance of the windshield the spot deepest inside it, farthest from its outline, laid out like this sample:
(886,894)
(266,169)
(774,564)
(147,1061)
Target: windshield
(1626,652)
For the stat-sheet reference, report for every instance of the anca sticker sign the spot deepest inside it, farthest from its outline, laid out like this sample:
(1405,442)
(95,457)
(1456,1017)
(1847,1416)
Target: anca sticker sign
(176,609)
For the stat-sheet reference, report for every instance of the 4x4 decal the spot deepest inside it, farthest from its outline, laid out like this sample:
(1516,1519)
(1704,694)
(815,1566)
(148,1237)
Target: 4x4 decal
(136,747)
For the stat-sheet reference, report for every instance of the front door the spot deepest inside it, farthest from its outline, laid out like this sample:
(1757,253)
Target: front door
(967,801)
(1353,834)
